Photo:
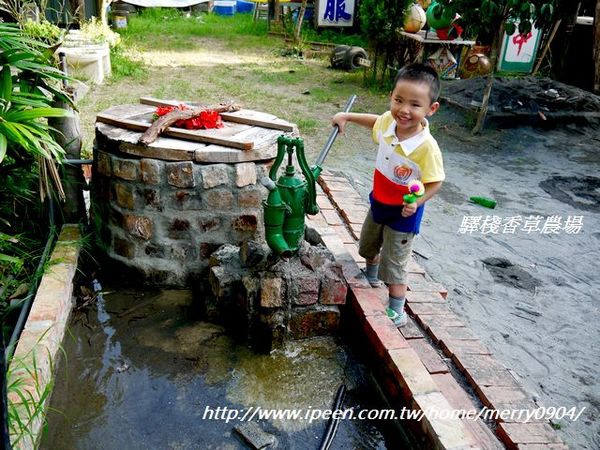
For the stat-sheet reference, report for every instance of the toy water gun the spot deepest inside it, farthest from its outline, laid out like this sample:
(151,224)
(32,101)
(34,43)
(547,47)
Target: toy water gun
(416,189)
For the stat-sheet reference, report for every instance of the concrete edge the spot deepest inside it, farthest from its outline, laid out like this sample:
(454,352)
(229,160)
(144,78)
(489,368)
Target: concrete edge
(36,354)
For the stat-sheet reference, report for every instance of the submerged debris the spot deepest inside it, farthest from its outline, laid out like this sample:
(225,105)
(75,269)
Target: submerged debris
(254,435)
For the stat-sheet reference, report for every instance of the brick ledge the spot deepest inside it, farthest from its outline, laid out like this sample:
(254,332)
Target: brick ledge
(426,379)
(45,328)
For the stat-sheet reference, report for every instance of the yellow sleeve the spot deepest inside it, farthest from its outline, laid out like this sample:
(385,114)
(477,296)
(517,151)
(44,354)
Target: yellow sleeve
(432,165)
(379,126)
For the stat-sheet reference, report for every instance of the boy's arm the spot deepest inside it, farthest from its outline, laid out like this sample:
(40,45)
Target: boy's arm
(342,118)
(430,190)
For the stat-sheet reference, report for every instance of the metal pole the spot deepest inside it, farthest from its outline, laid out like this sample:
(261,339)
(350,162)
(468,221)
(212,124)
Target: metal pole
(333,135)
(77,162)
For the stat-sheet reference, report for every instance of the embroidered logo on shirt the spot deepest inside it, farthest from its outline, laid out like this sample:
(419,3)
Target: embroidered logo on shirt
(402,173)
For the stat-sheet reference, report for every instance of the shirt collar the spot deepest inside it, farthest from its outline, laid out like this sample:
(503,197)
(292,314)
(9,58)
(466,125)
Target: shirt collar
(408,145)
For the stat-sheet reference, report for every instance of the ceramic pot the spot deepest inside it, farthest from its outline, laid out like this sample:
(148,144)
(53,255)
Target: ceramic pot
(476,63)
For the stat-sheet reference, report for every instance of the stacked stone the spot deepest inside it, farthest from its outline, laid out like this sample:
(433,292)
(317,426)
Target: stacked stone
(165,219)
(268,300)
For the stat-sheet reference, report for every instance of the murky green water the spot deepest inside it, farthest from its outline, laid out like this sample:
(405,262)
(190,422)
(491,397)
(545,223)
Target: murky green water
(140,374)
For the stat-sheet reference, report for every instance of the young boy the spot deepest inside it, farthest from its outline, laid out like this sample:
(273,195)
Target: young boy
(407,152)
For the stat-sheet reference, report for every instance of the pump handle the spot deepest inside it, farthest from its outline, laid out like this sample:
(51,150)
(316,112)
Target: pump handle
(333,135)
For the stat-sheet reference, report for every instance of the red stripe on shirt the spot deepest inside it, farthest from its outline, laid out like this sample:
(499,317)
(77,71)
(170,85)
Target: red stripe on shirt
(386,191)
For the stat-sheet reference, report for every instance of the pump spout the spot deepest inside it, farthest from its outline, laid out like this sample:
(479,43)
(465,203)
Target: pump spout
(274,216)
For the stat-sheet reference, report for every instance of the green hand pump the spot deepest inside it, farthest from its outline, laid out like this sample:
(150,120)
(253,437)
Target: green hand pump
(291,197)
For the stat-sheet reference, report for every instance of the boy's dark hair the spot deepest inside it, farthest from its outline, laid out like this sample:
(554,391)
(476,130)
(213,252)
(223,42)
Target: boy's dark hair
(421,73)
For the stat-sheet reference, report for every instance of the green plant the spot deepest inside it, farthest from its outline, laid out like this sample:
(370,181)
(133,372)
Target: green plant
(27,395)
(23,99)
(43,31)
(381,21)
(490,19)
(100,33)
(28,152)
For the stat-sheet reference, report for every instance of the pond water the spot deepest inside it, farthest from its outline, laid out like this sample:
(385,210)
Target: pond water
(141,372)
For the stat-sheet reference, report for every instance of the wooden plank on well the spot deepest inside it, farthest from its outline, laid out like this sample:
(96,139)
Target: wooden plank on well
(206,136)
(243,116)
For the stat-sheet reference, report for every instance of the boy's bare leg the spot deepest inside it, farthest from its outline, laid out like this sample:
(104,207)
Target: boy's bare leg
(373,262)
(397,290)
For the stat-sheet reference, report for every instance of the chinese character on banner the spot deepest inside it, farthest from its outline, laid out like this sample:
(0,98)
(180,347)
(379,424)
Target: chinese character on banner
(520,39)
(518,52)
(336,13)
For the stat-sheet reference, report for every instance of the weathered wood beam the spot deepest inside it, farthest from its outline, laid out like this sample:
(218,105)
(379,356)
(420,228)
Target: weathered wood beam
(240,116)
(162,123)
(205,136)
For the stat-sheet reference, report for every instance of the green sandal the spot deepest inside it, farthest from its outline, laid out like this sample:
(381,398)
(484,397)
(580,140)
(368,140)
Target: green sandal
(399,319)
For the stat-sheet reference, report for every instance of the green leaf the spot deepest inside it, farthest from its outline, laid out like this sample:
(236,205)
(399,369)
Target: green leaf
(485,8)
(524,27)
(3,144)
(37,113)
(510,28)
(8,130)
(547,11)
(11,259)
(6,85)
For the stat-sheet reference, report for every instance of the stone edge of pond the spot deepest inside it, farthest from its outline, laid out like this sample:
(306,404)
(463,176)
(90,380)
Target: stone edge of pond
(40,343)
(428,363)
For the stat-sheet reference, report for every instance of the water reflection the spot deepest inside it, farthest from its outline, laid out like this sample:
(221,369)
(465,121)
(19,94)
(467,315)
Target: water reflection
(140,373)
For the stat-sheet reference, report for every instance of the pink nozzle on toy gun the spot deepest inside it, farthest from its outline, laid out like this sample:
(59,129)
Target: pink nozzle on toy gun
(416,190)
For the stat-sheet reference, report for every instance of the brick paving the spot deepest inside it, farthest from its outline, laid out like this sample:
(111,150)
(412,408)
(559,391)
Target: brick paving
(431,360)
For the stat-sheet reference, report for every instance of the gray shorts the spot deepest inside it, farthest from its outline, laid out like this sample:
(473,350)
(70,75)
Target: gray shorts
(395,248)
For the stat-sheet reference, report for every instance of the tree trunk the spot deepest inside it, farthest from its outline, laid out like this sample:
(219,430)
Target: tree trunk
(497,42)
(597,49)
(299,23)
(564,39)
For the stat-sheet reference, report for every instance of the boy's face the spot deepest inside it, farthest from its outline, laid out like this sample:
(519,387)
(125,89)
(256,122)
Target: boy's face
(409,104)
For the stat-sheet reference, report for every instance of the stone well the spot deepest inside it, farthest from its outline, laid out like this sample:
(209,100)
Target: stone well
(163,209)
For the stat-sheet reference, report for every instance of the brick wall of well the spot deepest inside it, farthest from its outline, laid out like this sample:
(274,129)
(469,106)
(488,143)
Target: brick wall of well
(164,219)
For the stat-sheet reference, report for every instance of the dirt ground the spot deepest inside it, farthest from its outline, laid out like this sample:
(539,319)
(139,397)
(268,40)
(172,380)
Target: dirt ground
(529,296)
